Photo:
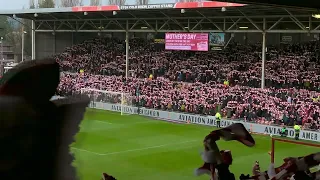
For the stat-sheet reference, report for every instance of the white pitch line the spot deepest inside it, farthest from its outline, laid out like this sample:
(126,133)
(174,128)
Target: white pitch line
(151,147)
(103,122)
(143,122)
(132,150)
(87,151)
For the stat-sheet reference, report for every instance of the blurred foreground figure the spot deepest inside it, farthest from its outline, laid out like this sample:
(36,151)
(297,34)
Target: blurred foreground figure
(105,176)
(256,168)
(35,133)
(216,162)
(293,168)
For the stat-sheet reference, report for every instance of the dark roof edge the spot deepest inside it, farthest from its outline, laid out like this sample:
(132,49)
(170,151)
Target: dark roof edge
(32,11)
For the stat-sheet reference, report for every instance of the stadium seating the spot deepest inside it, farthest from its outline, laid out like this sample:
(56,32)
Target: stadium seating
(193,81)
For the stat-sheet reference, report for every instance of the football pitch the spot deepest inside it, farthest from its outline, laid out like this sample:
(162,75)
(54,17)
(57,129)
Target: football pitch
(139,148)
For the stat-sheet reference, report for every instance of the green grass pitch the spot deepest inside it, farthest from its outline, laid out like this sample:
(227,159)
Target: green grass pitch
(138,148)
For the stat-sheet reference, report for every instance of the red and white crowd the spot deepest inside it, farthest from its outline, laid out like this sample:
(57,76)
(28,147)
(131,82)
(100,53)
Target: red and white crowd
(193,82)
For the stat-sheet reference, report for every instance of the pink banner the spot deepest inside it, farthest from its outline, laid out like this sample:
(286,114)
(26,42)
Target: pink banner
(187,41)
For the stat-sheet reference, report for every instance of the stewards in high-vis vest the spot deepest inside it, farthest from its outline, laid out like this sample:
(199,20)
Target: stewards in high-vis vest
(226,83)
(183,107)
(150,77)
(297,131)
(307,83)
(218,119)
(284,132)
(316,99)
(81,72)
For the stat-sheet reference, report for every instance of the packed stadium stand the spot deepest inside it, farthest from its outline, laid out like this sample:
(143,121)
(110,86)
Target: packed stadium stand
(258,64)
(193,82)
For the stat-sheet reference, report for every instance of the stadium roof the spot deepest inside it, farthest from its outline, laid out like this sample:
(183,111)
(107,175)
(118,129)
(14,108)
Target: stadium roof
(189,17)
(285,3)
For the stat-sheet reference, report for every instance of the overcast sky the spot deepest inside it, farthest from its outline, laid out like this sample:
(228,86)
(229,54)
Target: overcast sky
(20,4)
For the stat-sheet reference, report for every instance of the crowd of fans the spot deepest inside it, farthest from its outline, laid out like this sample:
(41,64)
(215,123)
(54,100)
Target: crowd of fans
(193,81)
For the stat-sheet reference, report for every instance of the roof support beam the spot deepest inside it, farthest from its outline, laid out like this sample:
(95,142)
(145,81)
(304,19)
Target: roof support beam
(210,21)
(293,31)
(70,25)
(107,25)
(119,24)
(76,16)
(151,27)
(175,21)
(133,15)
(49,25)
(156,28)
(195,26)
(250,20)
(149,30)
(100,25)
(83,24)
(164,24)
(40,24)
(317,27)
(53,17)
(181,17)
(60,25)
(85,31)
(103,16)
(235,23)
(294,19)
(134,25)
(18,21)
(33,39)
(310,23)
(92,25)
(188,24)
(275,24)
(298,23)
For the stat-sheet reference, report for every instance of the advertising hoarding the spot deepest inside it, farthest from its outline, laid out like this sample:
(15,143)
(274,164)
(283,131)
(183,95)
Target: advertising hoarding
(187,41)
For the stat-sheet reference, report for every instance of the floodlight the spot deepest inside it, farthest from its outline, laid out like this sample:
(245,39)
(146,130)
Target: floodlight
(317,16)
